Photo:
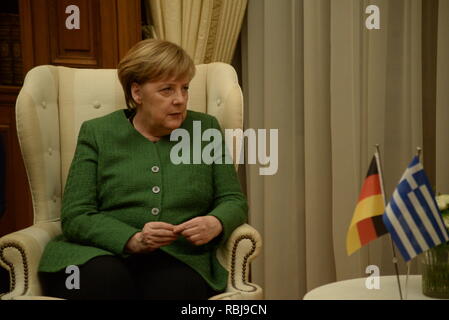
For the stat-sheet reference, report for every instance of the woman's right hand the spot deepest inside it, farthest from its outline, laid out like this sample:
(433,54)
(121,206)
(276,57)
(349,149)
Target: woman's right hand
(153,236)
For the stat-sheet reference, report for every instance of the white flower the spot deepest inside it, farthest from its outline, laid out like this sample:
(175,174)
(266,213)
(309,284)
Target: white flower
(443,201)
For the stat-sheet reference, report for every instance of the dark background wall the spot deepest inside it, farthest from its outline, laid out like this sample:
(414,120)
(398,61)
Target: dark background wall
(4,281)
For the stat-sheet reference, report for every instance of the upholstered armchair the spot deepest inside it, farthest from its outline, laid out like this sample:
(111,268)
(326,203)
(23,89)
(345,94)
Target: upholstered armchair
(50,109)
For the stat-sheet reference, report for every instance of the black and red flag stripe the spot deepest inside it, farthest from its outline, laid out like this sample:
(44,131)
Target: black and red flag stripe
(366,224)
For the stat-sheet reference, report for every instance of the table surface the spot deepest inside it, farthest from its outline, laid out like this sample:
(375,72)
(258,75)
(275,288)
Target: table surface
(356,289)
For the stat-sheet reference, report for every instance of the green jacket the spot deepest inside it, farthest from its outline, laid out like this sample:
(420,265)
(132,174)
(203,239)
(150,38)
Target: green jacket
(109,196)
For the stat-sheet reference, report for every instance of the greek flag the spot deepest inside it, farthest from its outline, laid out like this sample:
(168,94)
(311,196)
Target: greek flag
(412,216)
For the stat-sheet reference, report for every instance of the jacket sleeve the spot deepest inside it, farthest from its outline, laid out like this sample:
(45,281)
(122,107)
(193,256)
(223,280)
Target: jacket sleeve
(80,219)
(230,204)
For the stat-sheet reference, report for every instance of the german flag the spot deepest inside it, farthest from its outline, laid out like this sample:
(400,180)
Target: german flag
(367,224)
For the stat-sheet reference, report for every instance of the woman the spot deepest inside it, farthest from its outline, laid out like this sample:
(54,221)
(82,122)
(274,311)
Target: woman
(134,223)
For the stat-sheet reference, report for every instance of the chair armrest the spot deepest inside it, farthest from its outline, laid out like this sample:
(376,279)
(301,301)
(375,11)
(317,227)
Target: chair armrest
(242,247)
(20,253)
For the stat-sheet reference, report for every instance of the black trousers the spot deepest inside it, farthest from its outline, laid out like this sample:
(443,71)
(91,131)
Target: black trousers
(152,276)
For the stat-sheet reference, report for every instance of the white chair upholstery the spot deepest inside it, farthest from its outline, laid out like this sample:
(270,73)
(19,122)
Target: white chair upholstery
(52,105)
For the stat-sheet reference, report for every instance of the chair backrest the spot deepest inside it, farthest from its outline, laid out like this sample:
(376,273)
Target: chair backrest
(54,101)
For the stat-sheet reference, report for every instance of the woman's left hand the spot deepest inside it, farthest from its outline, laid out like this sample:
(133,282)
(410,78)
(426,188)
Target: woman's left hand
(200,230)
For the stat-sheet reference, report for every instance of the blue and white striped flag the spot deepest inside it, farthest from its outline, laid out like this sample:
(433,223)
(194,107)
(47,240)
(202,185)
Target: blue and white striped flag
(412,216)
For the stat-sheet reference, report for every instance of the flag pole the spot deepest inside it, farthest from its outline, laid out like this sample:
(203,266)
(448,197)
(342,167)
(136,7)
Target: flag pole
(406,279)
(418,154)
(395,259)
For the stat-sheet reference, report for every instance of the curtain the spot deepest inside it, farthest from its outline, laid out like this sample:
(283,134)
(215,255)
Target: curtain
(207,29)
(333,89)
(442,97)
(2,177)
(376,82)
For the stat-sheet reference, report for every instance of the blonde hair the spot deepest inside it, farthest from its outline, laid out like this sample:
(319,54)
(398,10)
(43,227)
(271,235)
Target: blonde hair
(153,60)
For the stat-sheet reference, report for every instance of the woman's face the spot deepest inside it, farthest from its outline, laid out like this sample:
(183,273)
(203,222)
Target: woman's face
(163,104)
